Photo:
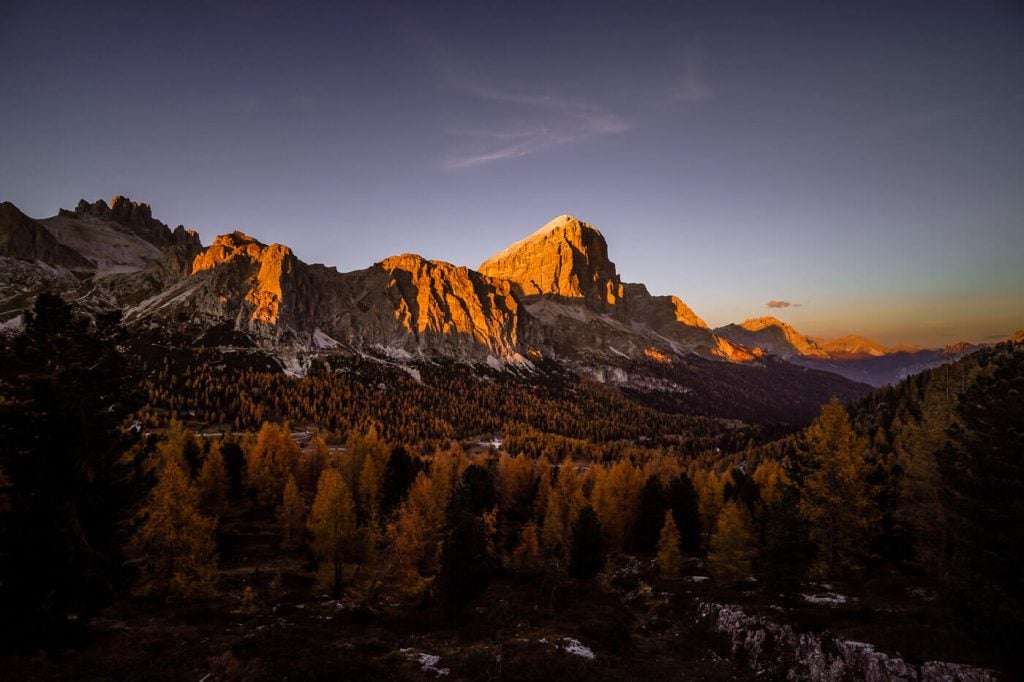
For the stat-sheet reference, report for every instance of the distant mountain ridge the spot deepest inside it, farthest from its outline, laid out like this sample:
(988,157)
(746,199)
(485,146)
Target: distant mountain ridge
(854,357)
(853,346)
(555,293)
(553,296)
(774,336)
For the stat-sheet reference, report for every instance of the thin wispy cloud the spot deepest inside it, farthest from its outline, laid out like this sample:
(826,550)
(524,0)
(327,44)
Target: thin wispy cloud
(576,108)
(531,119)
(782,304)
(506,145)
(539,123)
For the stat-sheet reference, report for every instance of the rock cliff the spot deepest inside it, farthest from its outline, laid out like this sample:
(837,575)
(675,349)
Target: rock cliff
(26,239)
(566,258)
(583,309)
(445,305)
(555,293)
(405,304)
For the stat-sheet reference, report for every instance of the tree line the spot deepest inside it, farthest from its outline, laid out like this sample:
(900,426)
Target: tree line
(446,402)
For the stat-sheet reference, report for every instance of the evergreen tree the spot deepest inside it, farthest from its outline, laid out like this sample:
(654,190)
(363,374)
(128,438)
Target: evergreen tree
(415,537)
(234,465)
(835,497)
(371,534)
(588,553)
(544,488)
(564,503)
(917,431)
(213,482)
(65,393)
(786,548)
(741,488)
(312,462)
(332,526)
(369,488)
(399,474)
(983,473)
(650,516)
(174,541)
(686,512)
(526,556)
(771,479)
(467,558)
(731,549)
(670,556)
(273,457)
(615,500)
(517,484)
(365,456)
(920,512)
(292,514)
(177,445)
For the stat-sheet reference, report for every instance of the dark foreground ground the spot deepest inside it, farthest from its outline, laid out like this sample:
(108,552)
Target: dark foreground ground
(629,625)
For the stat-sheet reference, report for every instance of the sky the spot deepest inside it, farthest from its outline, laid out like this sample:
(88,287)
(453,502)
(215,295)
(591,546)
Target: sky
(849,167)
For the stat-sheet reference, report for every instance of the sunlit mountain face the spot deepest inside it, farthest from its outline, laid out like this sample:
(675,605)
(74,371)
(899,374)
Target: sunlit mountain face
(511,341)
(554,296)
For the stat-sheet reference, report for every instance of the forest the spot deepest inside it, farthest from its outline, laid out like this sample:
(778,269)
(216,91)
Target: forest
(178,516)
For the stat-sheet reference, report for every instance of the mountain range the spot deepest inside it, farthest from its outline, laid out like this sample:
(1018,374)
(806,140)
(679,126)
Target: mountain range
(553,296)
(851,356)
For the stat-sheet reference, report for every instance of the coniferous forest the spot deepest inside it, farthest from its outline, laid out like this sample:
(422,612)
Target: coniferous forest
(205,518)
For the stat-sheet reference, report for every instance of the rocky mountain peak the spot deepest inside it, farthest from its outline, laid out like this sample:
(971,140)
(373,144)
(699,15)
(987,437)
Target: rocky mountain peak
(959,348)
(755,324)
(121,210)
(263,265)
(566,257)
(452,306)
(852,346)
(412,262)
(773,336)
(237,241)
(136,218)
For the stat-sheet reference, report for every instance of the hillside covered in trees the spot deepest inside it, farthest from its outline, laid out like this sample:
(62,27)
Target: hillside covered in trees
(181,517)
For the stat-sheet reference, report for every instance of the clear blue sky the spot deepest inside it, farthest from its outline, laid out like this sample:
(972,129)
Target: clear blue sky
(864,160)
